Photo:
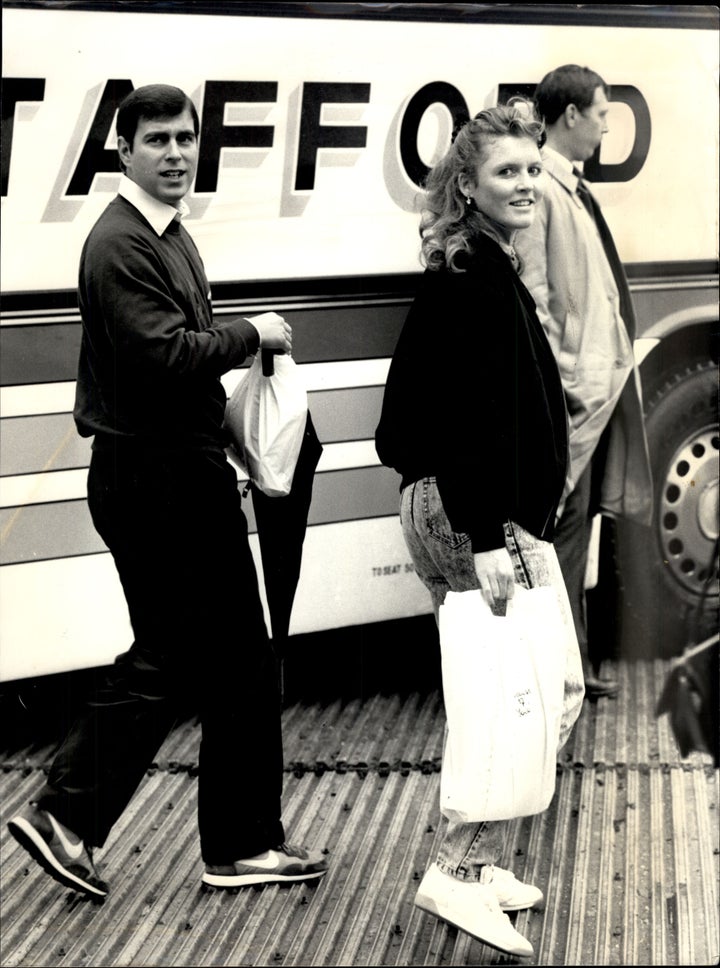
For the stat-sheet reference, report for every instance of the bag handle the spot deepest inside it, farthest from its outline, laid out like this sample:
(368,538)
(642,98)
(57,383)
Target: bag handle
(268,364)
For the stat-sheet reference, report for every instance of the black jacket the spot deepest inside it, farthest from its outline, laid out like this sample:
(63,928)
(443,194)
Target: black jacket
(474,398)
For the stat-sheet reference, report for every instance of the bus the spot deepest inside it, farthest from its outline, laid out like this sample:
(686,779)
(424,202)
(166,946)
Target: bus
(319,122)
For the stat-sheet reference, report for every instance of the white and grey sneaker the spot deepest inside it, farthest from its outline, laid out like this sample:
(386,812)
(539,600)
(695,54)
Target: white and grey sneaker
(286,863)
(57,850)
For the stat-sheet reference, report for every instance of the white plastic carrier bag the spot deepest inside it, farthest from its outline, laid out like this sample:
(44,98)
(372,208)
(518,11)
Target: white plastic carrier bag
(266,418)
(503,682)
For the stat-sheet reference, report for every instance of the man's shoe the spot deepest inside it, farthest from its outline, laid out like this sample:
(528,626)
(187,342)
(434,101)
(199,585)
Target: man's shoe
(57,850)
(512,894)
(472,907)
(287,863)
(597,688)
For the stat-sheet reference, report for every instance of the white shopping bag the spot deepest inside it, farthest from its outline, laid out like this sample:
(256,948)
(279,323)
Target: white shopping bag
(266,417)
(503,682)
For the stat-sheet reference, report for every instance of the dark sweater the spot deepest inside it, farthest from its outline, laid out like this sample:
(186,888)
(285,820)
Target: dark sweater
(151,357)
(484,412)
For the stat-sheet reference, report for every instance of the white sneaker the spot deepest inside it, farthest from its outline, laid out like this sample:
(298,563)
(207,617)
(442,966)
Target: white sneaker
(512,894)
(472,907)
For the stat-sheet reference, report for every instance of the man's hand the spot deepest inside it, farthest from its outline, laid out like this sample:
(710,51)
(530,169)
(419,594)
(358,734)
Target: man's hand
(497,580)
(275,333)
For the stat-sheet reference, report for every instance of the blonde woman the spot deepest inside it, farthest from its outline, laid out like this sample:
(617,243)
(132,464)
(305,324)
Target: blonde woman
(474,421)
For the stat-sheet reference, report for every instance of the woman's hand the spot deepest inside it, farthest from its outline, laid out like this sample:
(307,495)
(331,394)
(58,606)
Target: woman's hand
(497,579)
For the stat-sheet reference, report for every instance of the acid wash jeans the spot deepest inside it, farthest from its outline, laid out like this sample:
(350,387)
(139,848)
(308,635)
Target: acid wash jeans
(444,562)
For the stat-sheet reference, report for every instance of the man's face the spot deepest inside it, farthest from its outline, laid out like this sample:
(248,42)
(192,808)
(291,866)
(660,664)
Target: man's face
(590,126)
(163,156)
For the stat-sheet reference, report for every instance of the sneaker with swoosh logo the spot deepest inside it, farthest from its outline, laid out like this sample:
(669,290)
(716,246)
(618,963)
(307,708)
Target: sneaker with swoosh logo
(286,863)
(57,850)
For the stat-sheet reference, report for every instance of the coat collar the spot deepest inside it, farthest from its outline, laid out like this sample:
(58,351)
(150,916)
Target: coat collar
(563,171)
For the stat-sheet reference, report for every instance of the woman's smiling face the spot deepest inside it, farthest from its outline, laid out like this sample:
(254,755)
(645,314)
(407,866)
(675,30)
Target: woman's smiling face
(508,182)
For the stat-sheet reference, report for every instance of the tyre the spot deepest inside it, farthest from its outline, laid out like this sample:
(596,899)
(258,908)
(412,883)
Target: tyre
(668,574)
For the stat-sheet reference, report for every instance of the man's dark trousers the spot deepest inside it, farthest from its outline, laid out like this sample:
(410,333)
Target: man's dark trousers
(572,541)
(173,522)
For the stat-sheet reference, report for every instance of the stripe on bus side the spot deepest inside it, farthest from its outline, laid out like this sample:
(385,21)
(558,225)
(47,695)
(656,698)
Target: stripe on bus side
(55,485)
(39,444)
(61,529)
(37,399)
(50,442)
(44,461)
(48,352)
(84,621)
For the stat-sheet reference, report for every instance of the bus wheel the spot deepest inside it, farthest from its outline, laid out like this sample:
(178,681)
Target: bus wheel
(669,574)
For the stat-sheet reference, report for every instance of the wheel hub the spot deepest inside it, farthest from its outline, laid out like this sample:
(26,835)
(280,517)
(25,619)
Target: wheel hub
(688,521)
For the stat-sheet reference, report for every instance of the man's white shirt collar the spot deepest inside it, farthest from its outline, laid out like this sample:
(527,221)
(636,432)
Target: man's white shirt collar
(158,214)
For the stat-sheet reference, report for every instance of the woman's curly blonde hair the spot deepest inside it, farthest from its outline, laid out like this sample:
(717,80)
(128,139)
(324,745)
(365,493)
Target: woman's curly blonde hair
(448,225)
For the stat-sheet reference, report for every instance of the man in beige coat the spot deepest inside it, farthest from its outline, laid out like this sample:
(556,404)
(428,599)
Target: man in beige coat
(572,269)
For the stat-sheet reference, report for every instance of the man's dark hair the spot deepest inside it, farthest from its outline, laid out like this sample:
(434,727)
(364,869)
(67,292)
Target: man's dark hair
(565,85)
(151,102)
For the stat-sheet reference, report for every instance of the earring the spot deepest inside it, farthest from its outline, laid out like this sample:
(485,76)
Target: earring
(468,200)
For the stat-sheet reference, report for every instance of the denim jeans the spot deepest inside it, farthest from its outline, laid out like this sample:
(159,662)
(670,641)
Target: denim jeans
(444,562)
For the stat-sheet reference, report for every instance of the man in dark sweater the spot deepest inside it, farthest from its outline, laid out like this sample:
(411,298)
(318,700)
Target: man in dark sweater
(165,500)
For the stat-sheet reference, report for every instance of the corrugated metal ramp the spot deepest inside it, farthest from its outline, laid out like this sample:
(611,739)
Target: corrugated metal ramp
(627,854)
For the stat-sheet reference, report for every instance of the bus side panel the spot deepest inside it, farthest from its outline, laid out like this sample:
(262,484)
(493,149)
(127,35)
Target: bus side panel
(306,201)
